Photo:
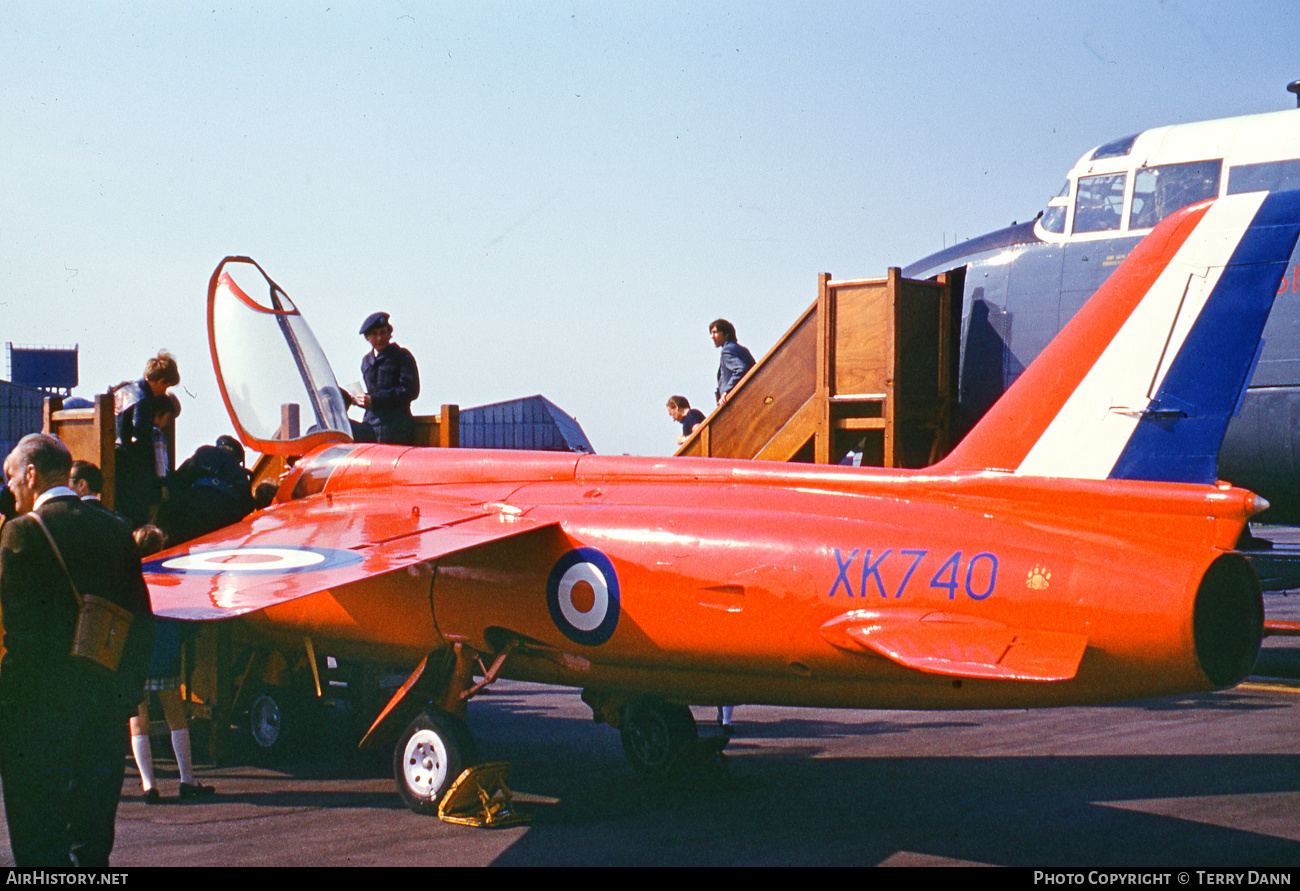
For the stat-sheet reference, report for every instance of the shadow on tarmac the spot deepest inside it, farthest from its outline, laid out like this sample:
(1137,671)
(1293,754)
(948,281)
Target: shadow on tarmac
(1196,781)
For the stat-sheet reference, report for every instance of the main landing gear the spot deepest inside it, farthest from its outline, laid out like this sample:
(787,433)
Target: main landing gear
(660,739)
(433,747)
(657,734)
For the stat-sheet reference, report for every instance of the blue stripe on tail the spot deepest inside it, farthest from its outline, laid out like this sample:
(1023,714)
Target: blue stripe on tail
(1178,438)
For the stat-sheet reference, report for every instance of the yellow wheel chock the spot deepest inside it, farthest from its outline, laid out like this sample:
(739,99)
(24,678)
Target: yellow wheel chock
(480,797)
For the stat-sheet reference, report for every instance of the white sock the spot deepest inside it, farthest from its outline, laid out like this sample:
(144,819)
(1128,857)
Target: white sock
(181,746)
(143,759)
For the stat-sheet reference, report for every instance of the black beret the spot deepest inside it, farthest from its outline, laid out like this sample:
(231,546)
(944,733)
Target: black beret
(374,320)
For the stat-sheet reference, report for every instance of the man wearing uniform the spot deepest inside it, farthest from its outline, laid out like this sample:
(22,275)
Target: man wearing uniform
(392,384)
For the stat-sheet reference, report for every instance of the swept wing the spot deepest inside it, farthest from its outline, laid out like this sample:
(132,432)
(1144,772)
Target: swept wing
(311,545)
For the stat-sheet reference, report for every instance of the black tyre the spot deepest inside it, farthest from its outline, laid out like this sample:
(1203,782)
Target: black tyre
(430,754)
(266,715)
(656,733)
(276,723)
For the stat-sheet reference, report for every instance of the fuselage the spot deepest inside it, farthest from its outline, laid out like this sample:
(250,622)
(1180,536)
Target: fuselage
(1021,284)
(760,582)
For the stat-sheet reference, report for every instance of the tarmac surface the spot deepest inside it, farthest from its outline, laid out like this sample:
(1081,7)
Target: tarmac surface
(1201,781)
(1207,780)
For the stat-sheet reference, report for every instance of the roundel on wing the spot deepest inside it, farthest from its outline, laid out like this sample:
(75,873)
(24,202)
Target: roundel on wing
(278,560)
(582,594)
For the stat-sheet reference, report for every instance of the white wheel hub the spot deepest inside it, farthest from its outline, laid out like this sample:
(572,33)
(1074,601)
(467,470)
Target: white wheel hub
(424,763)
(265,720)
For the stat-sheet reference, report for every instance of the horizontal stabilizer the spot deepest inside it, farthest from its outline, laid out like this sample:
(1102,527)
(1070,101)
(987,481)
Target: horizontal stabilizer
(959,646)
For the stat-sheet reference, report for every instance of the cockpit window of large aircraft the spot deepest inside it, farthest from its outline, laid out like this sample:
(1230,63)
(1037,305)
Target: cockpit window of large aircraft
(1159,191)
(1053,218)
(1099,204)
(1117,149)
(1275,176)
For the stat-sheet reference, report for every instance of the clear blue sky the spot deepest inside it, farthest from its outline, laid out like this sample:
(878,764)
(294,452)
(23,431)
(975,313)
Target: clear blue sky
(554,197)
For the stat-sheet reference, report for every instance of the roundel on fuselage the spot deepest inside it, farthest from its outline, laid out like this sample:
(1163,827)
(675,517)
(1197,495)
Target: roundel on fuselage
(582,594)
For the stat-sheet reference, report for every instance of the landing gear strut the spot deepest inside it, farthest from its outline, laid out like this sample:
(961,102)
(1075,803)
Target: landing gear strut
(436,746)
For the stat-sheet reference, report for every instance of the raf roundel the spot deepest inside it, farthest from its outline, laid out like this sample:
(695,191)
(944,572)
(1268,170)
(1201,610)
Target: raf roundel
(582,594)
(220,561)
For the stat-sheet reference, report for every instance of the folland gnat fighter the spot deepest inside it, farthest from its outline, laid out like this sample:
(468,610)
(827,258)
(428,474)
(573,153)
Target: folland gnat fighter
(1076,548)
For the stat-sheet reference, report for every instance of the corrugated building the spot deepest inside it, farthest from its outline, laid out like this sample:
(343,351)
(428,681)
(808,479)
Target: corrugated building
(20,414)
(533,423)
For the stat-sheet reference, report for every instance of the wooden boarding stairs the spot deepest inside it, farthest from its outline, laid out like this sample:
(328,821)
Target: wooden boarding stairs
(865,369)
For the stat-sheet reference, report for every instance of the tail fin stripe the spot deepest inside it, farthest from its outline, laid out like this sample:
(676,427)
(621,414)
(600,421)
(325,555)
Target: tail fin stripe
(1213,367)
(1006,434)
(1078,443)
(1142,382)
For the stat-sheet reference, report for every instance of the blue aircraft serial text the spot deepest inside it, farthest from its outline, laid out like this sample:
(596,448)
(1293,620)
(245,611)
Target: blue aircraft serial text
(892,573)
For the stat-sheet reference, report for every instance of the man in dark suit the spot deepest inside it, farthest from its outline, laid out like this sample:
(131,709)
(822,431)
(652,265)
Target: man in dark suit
(63,718)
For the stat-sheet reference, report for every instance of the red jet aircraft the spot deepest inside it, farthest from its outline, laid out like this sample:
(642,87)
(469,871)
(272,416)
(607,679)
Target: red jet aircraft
(1075,548)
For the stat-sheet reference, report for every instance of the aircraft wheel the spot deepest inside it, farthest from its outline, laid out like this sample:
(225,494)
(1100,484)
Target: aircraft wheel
(429,756)
(277,720)
(266,720)
(655,733)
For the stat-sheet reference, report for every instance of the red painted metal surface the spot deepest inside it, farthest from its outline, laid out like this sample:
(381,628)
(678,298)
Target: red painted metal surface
(760,582)
(968,585)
